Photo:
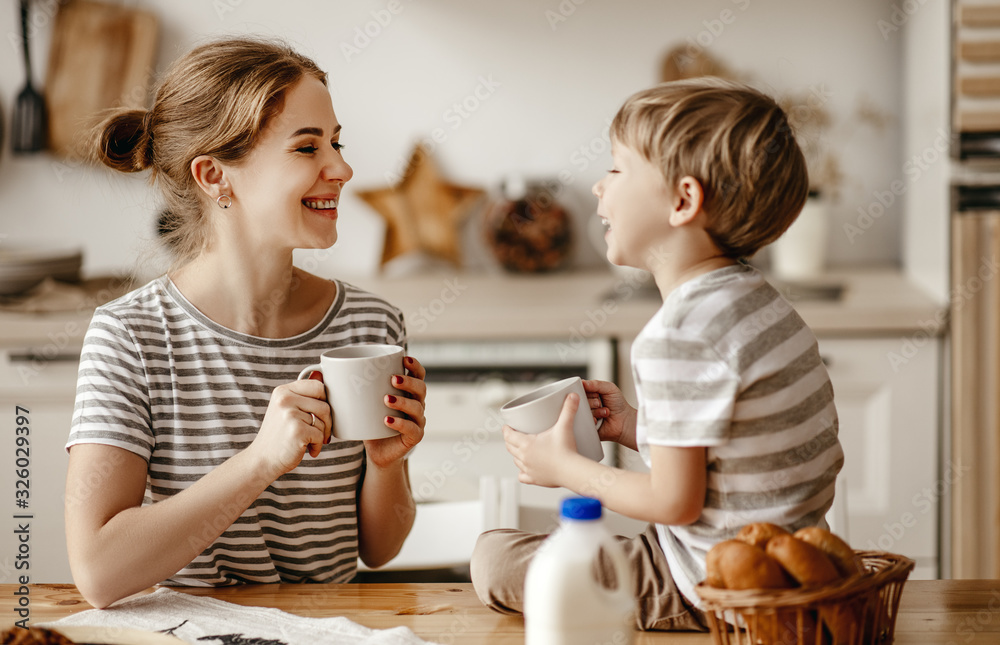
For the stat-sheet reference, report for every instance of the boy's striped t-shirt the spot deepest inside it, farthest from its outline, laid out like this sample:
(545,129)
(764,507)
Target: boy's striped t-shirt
(161,380)
(728,364)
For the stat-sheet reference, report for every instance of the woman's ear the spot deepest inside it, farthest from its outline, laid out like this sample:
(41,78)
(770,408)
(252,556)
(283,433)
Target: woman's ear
(210,176)
(688,199)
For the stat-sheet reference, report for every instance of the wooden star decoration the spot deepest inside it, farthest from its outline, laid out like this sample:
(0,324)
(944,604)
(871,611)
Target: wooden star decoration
(423,212)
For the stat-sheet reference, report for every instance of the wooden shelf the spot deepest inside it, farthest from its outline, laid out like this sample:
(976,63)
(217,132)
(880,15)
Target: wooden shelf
(979,16)
(979,86)
(977,120)
(985,51)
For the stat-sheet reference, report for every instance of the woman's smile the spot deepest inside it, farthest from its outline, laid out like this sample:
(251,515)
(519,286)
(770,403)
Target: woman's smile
(324,206)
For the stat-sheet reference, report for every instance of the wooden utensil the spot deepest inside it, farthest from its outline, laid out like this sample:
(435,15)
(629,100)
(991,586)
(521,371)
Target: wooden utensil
(28,128)
(102,57)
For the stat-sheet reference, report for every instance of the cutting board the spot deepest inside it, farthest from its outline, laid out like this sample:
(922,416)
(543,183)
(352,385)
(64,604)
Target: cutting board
(102,57)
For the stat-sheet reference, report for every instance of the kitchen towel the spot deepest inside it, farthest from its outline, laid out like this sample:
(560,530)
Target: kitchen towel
(56,296)
(207,621)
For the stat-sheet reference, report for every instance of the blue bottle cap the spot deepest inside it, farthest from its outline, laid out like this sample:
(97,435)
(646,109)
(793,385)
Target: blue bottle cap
(580,508)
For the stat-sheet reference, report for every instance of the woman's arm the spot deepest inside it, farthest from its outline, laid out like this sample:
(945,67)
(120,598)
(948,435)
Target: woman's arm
(385,514)
(673,492)
(118,547)
(386,509)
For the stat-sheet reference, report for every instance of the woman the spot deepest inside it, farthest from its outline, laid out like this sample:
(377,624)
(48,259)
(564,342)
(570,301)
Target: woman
(187,451)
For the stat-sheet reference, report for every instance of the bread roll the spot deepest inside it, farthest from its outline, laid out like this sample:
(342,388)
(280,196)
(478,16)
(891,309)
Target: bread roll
(738,565)
(713,568)
(839,552)
(809,566)
(844,622)
(759,533)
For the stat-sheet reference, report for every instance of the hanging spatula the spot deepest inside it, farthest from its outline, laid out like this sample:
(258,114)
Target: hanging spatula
(29,125)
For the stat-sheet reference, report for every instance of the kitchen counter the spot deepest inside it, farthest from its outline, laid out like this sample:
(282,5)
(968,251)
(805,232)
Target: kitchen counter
(931,612)
(593,303)
(606,303)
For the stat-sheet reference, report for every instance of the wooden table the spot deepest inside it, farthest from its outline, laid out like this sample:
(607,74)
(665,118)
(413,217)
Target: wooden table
(945,612)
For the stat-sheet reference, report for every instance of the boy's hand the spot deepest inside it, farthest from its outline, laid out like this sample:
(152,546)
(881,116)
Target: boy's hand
(542,457)
(607,402)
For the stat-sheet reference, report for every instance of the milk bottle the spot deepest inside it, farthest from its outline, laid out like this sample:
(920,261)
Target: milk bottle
(563,602)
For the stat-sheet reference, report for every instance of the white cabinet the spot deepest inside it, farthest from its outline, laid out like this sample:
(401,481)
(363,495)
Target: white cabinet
(887,396)
(46,387)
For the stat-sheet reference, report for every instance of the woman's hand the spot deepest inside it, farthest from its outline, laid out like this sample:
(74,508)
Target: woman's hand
(383,452)
(607,402)
(297,420)
(541,457)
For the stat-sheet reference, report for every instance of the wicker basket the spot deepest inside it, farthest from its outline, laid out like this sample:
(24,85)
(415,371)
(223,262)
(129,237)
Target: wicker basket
(856,611)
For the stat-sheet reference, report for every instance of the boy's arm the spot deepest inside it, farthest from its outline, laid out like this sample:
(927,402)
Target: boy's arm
(673,492)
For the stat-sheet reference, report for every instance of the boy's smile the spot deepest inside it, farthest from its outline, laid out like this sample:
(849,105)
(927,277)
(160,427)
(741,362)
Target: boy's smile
(634,203)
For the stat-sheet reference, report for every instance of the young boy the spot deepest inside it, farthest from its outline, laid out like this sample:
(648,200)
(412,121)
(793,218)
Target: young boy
(736,419)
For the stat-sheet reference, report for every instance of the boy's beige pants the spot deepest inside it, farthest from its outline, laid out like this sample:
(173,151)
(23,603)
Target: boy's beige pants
(500,562)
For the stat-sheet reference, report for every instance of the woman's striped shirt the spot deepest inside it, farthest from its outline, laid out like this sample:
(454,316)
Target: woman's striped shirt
(163,381)
(728,364)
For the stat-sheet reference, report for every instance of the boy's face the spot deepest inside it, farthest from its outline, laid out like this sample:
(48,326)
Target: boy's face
(634,202)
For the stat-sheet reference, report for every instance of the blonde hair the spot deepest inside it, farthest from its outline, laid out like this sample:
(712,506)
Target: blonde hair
(216,100)
(736,141)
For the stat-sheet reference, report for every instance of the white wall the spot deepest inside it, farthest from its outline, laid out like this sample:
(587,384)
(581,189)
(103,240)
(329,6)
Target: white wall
(927,91)
(556,86)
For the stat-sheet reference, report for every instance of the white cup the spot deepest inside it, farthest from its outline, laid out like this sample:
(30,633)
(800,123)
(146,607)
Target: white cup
(539,409)
(357,378)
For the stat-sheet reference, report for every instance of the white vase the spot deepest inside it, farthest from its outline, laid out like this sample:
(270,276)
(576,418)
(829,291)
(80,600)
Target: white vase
(800,253)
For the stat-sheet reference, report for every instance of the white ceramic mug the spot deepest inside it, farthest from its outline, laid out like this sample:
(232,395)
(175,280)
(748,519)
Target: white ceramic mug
(357,378)
(539,409)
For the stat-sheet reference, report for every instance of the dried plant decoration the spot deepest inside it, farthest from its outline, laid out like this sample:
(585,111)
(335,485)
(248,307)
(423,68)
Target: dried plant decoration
(820,135)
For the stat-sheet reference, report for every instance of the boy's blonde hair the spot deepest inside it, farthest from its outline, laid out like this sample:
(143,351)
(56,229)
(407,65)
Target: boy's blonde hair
(736,141)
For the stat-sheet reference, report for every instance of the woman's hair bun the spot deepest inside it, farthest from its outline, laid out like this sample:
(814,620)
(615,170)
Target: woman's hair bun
(125,142)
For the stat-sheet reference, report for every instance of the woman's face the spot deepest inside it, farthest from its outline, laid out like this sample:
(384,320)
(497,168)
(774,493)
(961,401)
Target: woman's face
(287,189)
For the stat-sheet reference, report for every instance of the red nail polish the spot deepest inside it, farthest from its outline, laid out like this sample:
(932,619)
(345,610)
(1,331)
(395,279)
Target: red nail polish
(390,420)
(391,398)
(398,380)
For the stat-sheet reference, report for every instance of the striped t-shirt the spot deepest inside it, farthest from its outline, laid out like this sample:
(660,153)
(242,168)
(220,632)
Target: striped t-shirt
(163,381)
(728,364)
